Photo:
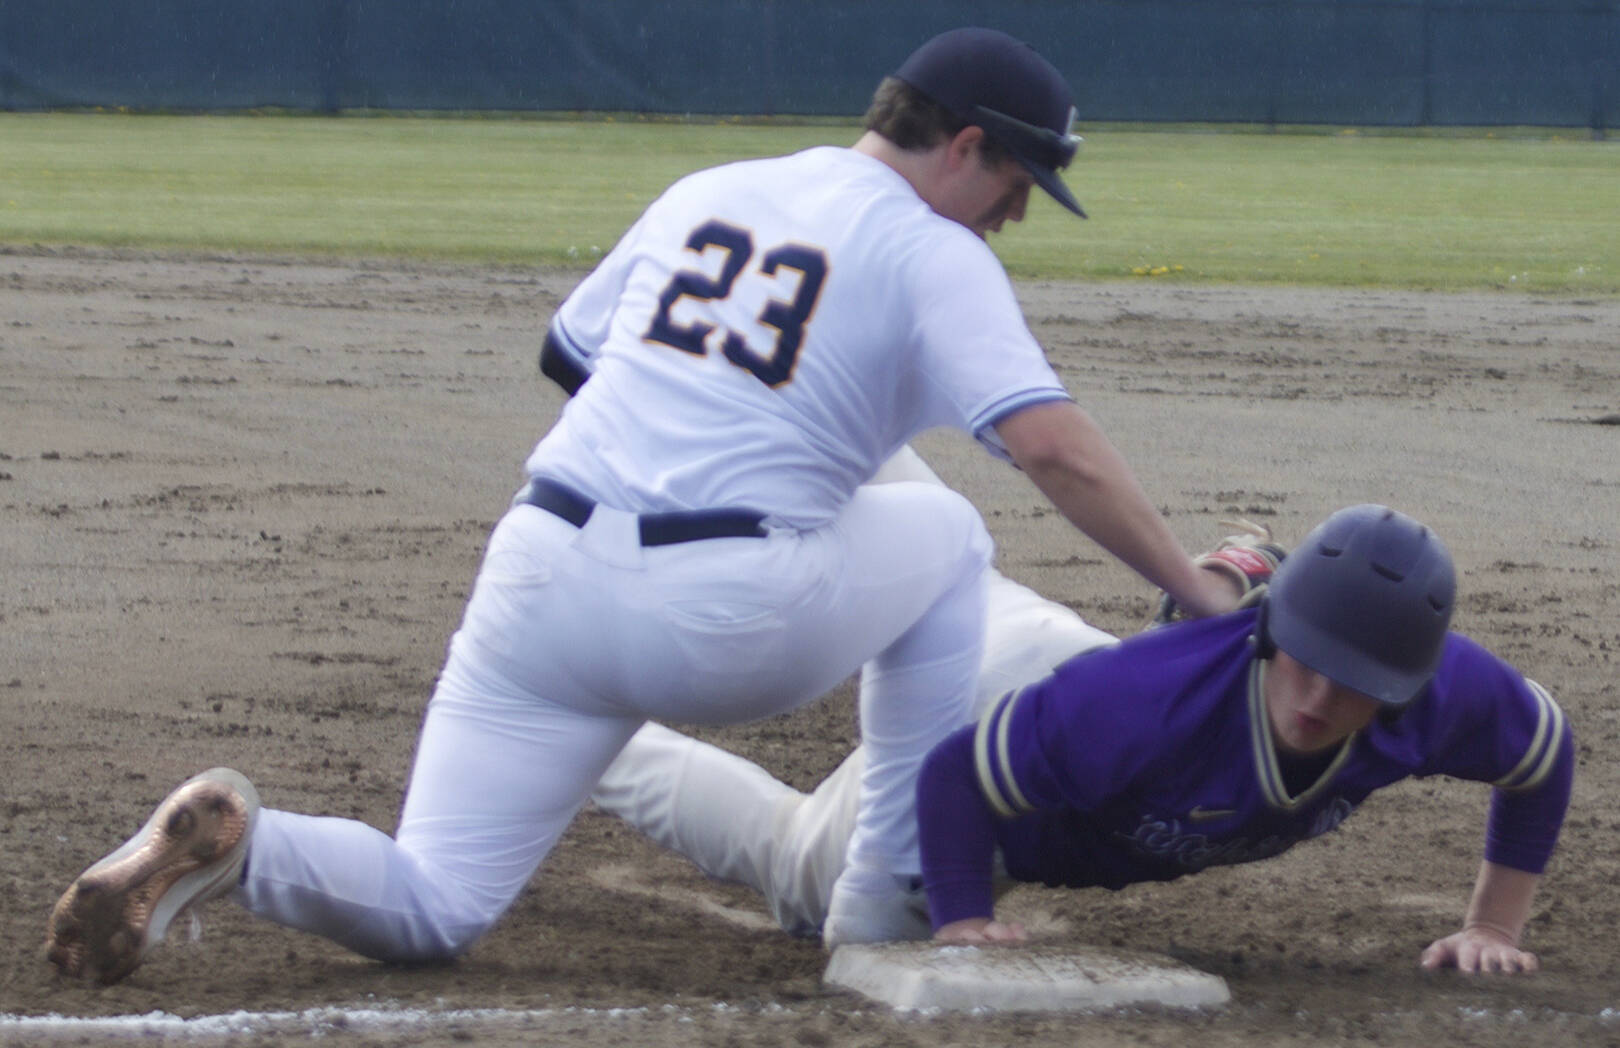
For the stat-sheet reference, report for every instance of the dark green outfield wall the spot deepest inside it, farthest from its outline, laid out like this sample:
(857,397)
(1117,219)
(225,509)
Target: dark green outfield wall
(1369,62)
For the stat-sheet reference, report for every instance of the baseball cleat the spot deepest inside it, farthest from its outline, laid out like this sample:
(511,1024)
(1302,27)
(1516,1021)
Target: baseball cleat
(191,850)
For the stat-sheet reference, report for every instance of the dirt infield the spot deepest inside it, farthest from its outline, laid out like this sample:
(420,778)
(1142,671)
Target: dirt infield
(242,502)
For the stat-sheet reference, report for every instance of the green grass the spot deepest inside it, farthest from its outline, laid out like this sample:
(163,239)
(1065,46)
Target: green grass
(1347,209)
(1456,210)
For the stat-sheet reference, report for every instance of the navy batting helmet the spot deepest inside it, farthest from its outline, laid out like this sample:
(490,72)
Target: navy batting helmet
(1365,601)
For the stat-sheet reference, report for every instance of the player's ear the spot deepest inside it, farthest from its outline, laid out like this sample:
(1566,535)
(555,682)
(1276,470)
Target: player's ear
(964,146)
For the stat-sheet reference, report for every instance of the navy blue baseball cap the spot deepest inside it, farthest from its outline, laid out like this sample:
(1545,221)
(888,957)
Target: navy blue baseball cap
(999,83)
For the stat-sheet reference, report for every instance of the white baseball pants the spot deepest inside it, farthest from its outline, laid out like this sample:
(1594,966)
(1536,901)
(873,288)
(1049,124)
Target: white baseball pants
(738,823)
(573,638)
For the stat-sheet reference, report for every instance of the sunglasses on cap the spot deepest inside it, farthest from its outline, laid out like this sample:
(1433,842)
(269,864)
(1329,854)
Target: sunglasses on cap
(1042,151)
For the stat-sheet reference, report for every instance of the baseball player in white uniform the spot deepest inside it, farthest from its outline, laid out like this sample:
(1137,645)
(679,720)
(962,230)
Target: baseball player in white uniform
(695,543)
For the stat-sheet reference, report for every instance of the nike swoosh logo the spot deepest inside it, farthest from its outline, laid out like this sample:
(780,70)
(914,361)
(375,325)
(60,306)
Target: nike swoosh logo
(1206,814)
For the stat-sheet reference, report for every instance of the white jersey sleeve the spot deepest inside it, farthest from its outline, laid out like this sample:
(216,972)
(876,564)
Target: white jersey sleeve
(968,313)
(581,324)
(769,332)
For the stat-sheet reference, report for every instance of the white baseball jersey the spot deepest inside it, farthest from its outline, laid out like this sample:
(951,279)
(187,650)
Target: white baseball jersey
(771,331)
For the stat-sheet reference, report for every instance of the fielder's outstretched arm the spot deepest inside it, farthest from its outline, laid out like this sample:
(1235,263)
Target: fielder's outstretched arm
(1075,465)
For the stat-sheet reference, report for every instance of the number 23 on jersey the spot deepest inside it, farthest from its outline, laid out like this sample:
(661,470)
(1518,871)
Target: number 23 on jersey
(774,365)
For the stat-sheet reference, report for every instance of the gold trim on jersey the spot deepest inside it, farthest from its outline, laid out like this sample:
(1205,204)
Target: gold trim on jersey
(1542,753)
(997,721)
(1265,749)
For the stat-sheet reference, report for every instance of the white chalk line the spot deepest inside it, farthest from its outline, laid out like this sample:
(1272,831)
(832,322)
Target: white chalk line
(319,1022)
(315,1022)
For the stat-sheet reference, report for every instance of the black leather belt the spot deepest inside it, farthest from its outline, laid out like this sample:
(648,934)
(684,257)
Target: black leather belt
(657,529)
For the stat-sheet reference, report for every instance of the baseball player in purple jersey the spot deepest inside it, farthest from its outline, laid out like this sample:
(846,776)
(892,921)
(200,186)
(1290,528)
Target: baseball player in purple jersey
(696,541)
(1203,743)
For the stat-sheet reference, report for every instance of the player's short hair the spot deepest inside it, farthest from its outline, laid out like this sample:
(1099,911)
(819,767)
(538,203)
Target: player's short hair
(916,123)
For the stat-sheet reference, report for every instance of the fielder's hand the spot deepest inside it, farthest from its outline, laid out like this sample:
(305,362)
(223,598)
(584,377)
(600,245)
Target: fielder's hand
(1248,557)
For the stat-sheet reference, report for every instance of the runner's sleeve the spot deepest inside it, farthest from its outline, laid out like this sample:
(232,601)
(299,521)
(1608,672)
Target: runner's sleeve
(957,833)
(1507,731)
(1529,802)
(1523,826)
(1013,762)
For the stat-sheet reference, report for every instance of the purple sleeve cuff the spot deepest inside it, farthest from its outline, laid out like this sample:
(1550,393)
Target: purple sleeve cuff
(1523,826)
(957,833)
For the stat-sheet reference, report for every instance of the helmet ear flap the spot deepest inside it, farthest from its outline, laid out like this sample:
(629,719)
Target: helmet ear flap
(1264,646)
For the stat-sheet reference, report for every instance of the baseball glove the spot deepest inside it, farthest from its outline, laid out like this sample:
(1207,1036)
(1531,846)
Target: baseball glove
(1248,556)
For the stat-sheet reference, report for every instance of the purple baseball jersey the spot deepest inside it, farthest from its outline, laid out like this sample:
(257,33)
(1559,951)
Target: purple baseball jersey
(1154,759)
